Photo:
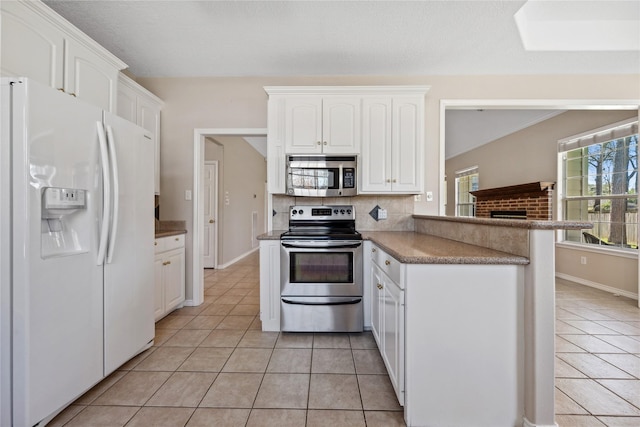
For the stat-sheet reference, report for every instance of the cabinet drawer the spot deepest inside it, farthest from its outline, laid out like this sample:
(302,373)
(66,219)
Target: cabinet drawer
(163,244)
(174,242)
(387,263)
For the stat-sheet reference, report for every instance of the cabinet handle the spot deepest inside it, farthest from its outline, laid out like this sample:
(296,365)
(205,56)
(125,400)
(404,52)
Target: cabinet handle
(166,263)
(394,180)
(373,249)
(73,94)
(61,89)
(379,286)
(155,243)
(211,221)
(388,180)
(319,143)
(177,239)
(387,262)
(325,143)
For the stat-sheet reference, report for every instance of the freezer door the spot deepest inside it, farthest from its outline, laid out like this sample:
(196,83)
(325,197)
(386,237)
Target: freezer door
(128,271)
(56,286)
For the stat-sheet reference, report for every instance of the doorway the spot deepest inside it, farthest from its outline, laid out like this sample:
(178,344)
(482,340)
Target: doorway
(199,141)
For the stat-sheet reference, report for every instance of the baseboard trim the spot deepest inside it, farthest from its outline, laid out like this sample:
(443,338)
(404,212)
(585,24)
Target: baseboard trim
(596,285)
(236,259)
(189,303)
(527,423)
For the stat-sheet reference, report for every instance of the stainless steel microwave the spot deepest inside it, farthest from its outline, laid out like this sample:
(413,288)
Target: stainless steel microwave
(321,175)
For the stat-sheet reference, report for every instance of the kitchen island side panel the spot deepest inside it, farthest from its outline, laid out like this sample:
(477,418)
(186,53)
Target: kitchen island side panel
(464,345)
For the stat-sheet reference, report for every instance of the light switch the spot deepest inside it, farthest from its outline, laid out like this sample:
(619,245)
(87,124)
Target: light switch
(429,196)
(187,195)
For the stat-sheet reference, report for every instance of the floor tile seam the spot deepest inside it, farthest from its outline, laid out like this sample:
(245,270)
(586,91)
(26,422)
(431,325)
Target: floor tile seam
(599,358)
(558,390)
(601,385)
(596,337)
(619,367)
(617,394)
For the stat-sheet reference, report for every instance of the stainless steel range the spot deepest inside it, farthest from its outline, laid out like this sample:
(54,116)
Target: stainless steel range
(321,271)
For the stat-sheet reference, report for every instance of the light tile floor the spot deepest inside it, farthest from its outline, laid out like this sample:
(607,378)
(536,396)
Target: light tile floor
(597,358)
(212,366)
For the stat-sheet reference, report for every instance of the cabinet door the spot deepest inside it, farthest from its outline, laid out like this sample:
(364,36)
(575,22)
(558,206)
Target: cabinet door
(127,103)
(407,142)
(303,125)
(375,159)
(173,278)
(393,335)
(148,116)
(158,295)
(270,285)
(376,304)
(89,77)
(341,125)
(30,46)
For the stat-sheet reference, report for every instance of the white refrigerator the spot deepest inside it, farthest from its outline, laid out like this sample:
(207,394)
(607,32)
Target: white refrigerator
(76,248)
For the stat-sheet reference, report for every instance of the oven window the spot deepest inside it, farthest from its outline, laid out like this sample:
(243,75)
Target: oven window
(319,267)
(312,179)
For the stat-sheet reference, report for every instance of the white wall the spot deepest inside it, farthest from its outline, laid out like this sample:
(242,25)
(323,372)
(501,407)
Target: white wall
(242,103)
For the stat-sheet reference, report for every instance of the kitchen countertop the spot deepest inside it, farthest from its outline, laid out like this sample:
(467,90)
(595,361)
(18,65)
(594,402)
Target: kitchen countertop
(414,248)
(513,223)
(167,233)
(409,247)
(170,228)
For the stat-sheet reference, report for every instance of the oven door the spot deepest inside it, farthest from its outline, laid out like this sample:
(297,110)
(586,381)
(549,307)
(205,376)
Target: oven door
(321,268)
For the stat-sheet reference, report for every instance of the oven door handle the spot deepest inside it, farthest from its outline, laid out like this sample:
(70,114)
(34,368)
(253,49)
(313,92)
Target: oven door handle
(346,301)
(322,245)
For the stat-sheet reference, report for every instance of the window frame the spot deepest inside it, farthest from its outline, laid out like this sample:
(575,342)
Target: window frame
(615,131)
(466,174)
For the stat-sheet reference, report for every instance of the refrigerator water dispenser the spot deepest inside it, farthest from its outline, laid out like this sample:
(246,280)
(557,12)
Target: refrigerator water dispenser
(65,224)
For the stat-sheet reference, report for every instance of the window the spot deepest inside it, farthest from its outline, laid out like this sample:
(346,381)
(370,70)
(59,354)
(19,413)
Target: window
(600,185)
(466,181)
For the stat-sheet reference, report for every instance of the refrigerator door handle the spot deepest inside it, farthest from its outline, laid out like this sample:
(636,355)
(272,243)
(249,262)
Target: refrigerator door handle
(106,204)
(116,193)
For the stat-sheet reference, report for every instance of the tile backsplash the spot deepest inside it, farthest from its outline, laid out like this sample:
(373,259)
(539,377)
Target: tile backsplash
(399,210)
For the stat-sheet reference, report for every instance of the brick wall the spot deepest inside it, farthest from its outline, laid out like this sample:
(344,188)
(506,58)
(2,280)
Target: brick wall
(535,199)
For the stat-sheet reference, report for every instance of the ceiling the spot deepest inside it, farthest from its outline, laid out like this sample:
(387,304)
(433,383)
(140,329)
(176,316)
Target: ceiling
(181,38)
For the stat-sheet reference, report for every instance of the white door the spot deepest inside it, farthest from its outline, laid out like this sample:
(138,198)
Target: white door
(210,206)
(129,270)
(56,282)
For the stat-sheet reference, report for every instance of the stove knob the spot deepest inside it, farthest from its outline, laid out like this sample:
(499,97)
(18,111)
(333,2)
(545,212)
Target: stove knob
(342,211)
(300,211)
(335,211)
(349,211)
(294,212)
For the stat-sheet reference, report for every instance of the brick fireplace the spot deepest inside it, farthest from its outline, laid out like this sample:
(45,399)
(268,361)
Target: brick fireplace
(532,201)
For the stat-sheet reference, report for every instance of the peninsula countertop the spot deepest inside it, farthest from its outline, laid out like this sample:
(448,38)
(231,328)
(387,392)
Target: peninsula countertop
(410,247)
(415,248)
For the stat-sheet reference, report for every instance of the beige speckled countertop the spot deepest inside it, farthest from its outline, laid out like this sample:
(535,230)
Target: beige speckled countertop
(513,223)
(414,248)
(170,228)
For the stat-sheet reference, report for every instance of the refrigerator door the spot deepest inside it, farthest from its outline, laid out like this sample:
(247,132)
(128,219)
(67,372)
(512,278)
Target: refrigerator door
(56,286)
(128,271)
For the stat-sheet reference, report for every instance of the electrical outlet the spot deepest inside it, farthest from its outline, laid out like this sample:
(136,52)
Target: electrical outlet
(417,198)
(583,260)
(187,194)
(382,214)
(429,196)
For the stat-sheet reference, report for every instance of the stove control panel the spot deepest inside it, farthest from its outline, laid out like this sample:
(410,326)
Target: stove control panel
(310,212)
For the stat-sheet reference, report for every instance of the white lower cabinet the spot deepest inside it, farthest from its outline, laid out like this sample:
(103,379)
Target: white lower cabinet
(169,274)
(387,315)
(270,285)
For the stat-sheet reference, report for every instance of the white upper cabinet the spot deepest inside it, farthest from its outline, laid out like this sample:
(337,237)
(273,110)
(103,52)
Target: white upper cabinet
(322,125)
(142,107)
(391,159)
(39,44)
(383,125)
